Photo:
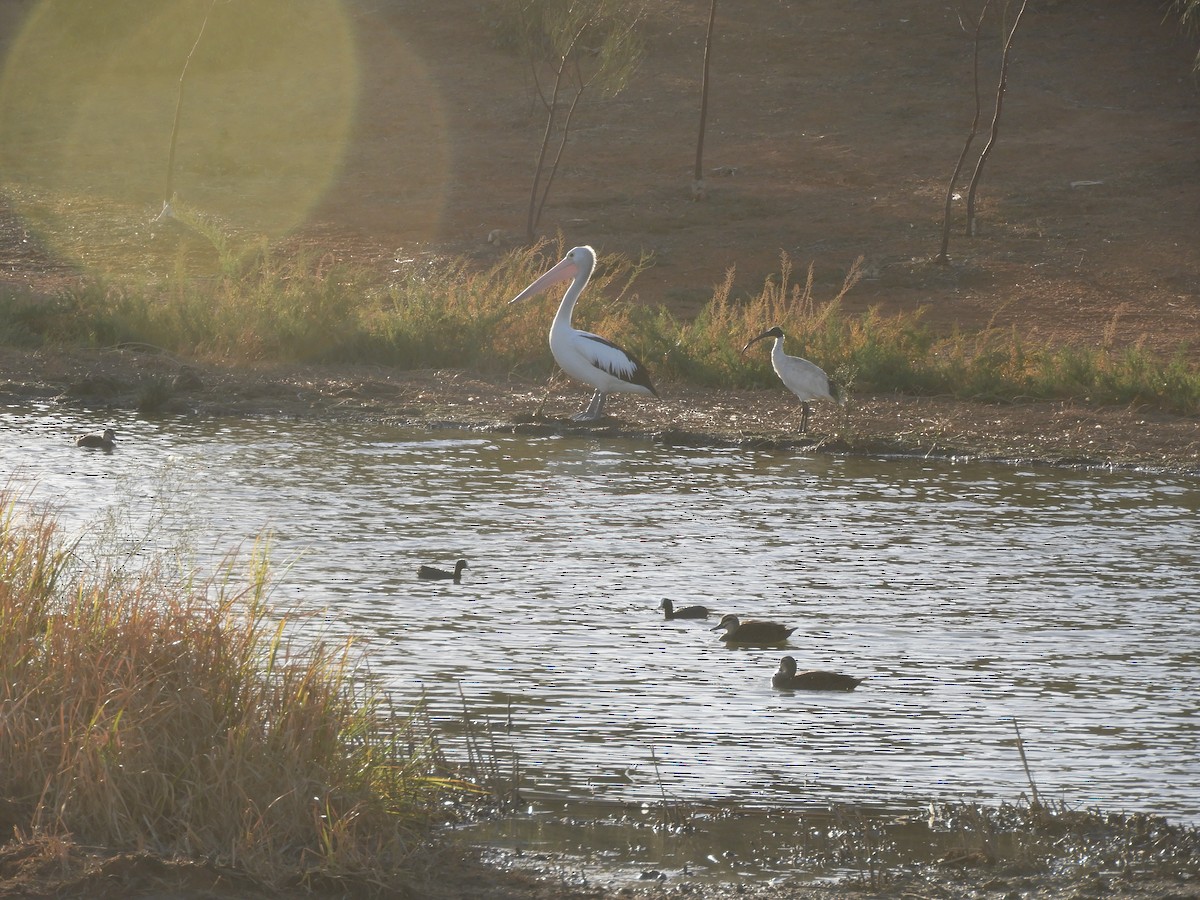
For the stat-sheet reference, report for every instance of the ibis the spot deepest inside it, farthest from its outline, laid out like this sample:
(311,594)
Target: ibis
(803,378)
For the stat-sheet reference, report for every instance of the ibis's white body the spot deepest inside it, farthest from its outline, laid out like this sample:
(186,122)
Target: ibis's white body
(805,379)
(585,356)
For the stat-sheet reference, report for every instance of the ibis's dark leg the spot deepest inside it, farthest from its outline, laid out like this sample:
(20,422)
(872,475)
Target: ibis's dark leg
(805,411)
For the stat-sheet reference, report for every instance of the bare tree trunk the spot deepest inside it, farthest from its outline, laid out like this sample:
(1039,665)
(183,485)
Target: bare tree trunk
(551,107)
(698,172)
(566,129)
(971,229)
(169,189)
(535,208)
(943,257)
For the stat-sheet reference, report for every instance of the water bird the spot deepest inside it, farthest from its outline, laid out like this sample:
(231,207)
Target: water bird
(752,631)
(431,573)
(684,612)
(99,440)
(585,356)
(804,379)
(788,679)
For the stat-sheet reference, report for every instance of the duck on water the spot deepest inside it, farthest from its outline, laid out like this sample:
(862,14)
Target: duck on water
(788,679)
(752,631)
(684,612)
(97,440)
(431,573)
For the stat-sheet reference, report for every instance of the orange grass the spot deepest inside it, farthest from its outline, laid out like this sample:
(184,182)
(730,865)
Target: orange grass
(182,719)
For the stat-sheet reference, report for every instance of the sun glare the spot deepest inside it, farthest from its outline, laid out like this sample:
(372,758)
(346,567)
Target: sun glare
(89,96)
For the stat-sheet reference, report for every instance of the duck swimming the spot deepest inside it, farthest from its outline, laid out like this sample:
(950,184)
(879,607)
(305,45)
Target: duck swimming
(684,612)
(788,679)
(429,573)
(99,440)
(752,631)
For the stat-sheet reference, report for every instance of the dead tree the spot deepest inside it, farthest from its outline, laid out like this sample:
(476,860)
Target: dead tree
(1000,88)
(581,46)
(943,254)
(698,173)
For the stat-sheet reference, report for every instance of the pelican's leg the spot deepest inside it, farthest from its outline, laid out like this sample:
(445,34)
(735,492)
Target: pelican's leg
(805,410)
(595,409)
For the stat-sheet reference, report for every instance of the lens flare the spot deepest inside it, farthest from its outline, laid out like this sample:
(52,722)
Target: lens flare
(266,93)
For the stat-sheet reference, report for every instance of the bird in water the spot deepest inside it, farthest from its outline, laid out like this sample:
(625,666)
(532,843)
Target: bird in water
(585,356)
(99,440)
(804,379)
(752,631)
(684,612)
(788,679)
(430,573)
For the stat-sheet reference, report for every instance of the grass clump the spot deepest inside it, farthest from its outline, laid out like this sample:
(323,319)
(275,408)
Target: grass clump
(261,304)
(145,715)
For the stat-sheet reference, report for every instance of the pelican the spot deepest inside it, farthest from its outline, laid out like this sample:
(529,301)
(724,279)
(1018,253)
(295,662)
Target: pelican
(788,679)
(100,440)
(804,379)
(584,356)
(752,631)
(685,612)
(429,573)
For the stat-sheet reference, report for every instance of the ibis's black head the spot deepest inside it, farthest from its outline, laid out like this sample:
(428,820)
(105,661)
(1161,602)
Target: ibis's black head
(775,332)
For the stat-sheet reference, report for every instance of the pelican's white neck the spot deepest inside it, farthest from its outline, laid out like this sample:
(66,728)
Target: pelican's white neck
(585,260)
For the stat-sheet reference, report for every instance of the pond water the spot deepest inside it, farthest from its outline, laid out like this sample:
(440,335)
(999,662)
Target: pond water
(967,595)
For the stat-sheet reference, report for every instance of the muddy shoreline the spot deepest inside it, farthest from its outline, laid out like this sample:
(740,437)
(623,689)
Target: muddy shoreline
(1059,433)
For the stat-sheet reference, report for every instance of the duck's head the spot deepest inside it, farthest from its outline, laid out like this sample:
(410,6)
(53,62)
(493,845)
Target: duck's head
(729,621)
(787,666)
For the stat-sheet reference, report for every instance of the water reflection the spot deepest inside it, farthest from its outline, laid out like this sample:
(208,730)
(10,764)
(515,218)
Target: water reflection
(966,594)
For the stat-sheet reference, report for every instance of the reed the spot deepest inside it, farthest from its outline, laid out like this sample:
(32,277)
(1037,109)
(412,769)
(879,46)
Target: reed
(181,718)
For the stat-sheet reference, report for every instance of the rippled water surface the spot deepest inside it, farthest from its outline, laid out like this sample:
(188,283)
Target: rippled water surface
(967,595)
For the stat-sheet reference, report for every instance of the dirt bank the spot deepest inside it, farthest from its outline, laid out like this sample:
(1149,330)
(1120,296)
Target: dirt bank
(1044,432)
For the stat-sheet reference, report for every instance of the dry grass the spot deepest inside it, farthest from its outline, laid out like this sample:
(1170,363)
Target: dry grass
(182,719)
(452,313)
